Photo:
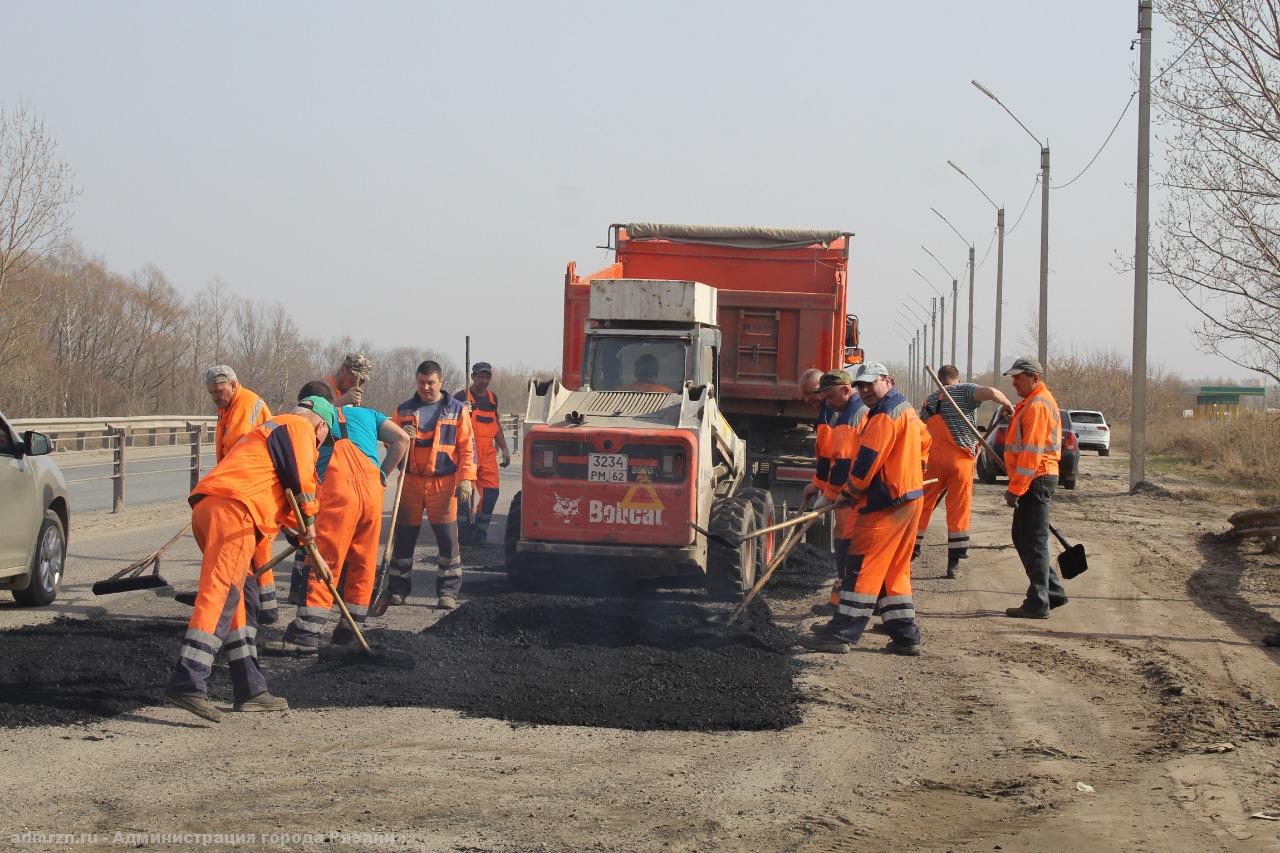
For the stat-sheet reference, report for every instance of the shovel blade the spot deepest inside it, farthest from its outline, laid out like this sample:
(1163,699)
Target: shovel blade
(1072,562)
(109,587)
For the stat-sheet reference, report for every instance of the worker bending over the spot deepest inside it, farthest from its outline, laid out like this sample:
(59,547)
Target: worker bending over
(952,458)
(239,502)
(350,520)
(884,487)
(239,411)
(483,405)
(442,471)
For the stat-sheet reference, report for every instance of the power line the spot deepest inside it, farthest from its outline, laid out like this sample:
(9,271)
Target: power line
(1030,195)
(1123,112)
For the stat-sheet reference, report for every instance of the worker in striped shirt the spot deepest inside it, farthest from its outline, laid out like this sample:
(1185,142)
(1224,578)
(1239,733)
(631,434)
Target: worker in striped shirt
(952,459)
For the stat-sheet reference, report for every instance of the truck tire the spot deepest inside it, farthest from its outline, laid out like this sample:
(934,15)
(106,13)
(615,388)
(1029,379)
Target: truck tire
(518,574)
(731,572)
(766,516)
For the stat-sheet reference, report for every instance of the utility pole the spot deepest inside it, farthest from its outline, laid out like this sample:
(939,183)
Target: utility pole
(1043,340)
(933,322)
(1138,419)
(955,304)
(968,361)
(996,366)
(942,326)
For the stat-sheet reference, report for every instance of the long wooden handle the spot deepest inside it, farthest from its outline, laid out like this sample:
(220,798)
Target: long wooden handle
(276,560)
(327,576)
(403,469)
(802,518)
(778,559)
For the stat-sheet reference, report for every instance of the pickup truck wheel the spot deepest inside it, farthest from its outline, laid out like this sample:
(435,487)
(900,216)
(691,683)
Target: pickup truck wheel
(1104,451)
(986,471)
(518,568)
(766,516)
(46,564)
(731,572)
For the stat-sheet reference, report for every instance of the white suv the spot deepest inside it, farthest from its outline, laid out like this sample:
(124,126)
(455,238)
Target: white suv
(1091,431)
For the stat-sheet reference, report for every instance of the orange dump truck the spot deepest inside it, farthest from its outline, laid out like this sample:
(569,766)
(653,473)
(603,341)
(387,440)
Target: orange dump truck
(680,399)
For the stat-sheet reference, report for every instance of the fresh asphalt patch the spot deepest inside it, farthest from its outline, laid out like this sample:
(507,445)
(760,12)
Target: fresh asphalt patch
(633,662)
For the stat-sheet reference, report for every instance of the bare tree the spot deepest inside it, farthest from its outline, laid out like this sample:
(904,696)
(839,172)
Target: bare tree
(1218,238)
(35,192)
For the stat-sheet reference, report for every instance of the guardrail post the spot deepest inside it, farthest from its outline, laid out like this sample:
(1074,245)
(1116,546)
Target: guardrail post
(117,469)
(515,435)
(194,431)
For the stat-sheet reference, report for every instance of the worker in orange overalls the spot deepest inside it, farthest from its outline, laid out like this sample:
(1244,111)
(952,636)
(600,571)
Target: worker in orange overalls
(885,485)
(239,411)
(483,405)
(345,388)
(839,418)
(1033,446)
(351,496)
(442,471)
(646,376)
(952,458)
(237,503)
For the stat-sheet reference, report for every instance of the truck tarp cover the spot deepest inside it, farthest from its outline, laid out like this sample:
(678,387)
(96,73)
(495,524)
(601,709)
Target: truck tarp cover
(745,238)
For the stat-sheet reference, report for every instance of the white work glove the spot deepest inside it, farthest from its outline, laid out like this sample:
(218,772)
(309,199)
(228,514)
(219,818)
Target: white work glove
(822,501)
(464,491)
(506,459)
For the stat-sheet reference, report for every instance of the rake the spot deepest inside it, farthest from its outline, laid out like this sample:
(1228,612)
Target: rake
(131,577)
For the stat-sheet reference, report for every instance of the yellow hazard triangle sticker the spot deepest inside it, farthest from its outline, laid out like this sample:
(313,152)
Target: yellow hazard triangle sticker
(634,501)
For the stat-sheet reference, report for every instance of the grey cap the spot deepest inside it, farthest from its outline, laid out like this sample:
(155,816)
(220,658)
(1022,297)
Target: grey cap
(359,364)
(870,371)
(220,373)
(1026,364)
(482,367)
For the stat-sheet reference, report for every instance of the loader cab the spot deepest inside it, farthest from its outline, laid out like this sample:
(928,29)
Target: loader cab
(651,360)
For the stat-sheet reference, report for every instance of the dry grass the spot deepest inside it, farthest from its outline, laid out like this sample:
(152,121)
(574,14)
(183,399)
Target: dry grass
(1244,452)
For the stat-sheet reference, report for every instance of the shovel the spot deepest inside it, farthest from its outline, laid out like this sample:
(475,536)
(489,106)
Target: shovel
(189,598)
(131,577)
(1072,562)
(343,654)
(381,598)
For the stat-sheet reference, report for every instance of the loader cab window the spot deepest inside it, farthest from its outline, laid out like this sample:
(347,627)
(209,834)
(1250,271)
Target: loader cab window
(655,365)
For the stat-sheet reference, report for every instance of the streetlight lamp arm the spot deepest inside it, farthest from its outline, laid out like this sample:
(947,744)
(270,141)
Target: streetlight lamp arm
(926,281)
(952,227)
(938,262)
(975,184)
(984,90)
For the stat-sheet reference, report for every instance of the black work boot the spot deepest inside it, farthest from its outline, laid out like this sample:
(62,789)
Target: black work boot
(953,566)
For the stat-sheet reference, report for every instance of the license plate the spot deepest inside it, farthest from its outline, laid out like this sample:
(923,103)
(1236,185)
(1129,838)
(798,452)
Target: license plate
(607,468)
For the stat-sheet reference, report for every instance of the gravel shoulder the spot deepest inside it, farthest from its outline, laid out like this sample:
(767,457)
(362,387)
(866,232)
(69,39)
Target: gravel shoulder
(1105,727)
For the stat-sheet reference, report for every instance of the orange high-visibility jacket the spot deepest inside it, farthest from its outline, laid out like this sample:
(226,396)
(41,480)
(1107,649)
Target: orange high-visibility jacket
(447,449)
(484,416)
(888,462)
(279,454)
(836,443)
(246,411)
(1033,443)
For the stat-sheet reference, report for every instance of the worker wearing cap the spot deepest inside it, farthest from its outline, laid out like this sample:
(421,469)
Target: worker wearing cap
(952,457)
(352,483)
(239,411)
(442,471)
(348,382)
(1032,449)
(839,420)
(240,501)
(884,487)
(483,406)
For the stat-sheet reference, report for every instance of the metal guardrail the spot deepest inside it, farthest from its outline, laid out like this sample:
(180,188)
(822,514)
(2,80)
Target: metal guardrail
(117,435)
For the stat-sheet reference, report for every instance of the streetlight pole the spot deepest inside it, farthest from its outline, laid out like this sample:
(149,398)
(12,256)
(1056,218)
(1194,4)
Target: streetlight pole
(955,299)
(1138,418)
(969,363)
(999,270)
(931,315)
(943,298)
(1043,337)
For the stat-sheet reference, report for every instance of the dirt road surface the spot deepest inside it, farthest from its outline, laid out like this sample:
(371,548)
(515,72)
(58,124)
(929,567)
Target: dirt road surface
(1144,715)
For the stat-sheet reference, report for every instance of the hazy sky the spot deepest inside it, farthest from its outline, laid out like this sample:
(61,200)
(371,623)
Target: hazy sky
(413,172)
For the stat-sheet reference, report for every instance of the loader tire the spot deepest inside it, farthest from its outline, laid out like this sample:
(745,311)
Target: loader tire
(518,568)
(731,572)
(766,516)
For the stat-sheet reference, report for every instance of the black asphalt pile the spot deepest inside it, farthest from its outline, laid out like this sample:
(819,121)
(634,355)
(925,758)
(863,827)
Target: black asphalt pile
(562,660)
(539,659)
(807,570)
(76,670)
